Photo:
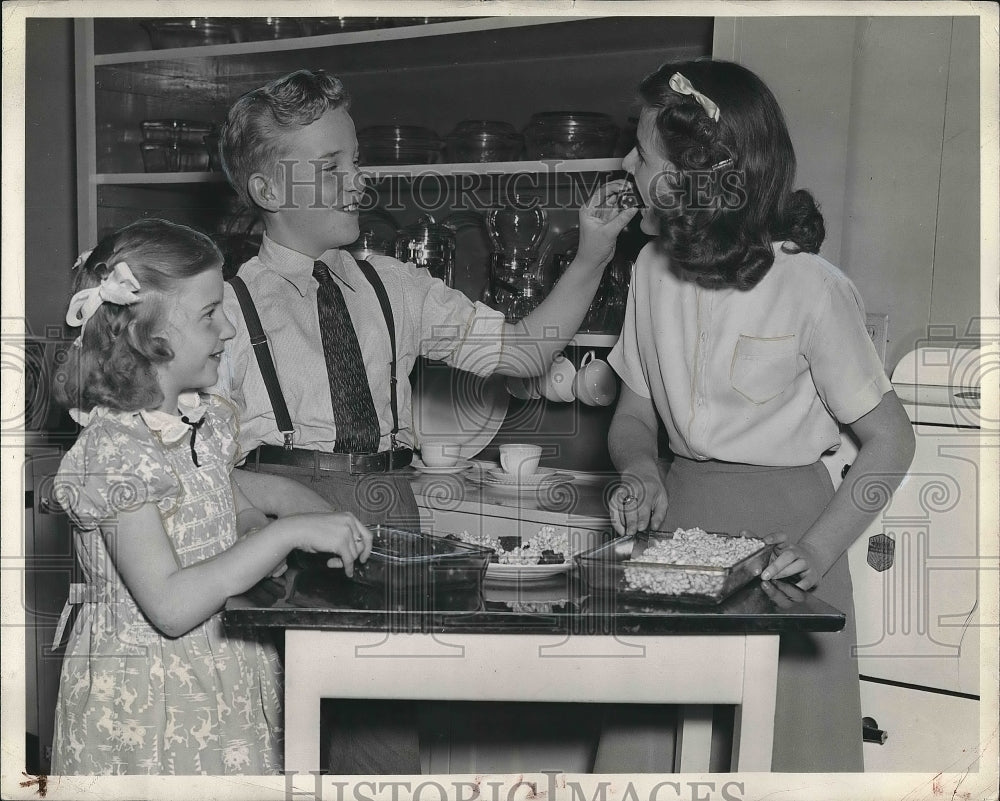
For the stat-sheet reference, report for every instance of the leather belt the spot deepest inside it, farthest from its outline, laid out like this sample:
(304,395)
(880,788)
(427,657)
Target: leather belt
(353,463)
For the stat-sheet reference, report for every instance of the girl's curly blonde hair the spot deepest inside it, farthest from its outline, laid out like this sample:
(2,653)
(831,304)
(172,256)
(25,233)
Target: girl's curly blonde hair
(114,364)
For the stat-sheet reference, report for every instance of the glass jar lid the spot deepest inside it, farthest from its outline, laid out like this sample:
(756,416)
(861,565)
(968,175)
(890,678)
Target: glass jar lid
(427,235)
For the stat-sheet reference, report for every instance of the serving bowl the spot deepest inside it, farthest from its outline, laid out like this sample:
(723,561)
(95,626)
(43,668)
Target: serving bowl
(570,135)
(398,144)
(483,141)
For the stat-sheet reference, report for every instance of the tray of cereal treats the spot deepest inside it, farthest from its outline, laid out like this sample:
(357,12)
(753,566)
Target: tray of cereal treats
(691,565)
(543,554)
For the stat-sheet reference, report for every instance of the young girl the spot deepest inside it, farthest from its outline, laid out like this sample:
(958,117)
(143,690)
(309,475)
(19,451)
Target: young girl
(151,680)
(751,350)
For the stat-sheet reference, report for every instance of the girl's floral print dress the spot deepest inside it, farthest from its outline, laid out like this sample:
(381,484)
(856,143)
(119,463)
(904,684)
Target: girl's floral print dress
(131,700)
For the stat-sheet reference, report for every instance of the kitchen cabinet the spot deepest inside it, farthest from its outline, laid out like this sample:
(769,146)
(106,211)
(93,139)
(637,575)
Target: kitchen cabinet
(432,75)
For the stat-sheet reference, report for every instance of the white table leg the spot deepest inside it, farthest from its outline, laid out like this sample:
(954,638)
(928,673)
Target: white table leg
(694,738)
(753,735)
(302,700)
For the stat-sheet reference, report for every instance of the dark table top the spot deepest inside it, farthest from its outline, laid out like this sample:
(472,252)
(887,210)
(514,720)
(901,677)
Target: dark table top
(326,599)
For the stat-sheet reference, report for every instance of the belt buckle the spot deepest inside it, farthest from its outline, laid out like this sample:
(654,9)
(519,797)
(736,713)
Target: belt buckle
(354,466)
(360,463)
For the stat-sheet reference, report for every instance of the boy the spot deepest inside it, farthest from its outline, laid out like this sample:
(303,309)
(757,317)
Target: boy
(289,150)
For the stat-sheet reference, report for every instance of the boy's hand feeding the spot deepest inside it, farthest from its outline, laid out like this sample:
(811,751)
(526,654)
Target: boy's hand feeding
(601,220)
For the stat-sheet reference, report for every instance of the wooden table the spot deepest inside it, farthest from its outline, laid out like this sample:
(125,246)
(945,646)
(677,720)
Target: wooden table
(345,641)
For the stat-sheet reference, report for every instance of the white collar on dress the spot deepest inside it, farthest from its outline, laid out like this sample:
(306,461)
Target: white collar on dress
(170,427)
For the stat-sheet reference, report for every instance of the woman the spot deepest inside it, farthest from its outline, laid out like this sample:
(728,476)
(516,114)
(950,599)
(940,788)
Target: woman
(752,351)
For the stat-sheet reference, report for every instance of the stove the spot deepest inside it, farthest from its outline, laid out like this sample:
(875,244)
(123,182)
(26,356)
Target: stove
(916,571)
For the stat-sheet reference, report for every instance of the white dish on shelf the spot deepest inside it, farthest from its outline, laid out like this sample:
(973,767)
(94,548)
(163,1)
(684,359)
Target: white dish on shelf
(459,467)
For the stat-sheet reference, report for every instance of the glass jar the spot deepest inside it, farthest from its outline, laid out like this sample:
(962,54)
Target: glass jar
(430,245)
(189,32)
(368,244)
(518,229)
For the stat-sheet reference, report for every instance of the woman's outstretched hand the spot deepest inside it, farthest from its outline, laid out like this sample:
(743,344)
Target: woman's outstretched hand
(797,560)
(639,503)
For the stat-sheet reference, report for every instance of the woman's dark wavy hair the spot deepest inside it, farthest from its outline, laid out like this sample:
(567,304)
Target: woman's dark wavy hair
(115,363)
(727,241)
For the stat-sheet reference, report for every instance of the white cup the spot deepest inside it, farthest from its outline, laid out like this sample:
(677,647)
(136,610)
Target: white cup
(438,453)
(557,383)
(520,460)
(596,383)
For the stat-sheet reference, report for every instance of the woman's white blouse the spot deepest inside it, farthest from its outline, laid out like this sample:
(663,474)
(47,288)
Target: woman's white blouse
(758,377)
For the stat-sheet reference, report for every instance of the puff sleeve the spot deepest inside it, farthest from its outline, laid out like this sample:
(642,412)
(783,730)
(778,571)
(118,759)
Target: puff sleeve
(110,470)
(225,430)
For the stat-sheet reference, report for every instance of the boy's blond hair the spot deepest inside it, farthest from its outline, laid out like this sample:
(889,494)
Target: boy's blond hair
(250,141)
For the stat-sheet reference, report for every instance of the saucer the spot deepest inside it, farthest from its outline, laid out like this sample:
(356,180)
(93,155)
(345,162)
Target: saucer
(459,467)
(497,475)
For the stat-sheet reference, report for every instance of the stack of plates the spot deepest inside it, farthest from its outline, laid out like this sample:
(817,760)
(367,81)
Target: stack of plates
(459,467)
(497,478)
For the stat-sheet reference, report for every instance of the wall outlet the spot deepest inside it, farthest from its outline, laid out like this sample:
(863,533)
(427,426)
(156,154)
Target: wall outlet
(878,330)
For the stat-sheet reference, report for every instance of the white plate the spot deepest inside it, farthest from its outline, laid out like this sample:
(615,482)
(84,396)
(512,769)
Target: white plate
(459,467)
(497,475)
(457,406)
(521,573)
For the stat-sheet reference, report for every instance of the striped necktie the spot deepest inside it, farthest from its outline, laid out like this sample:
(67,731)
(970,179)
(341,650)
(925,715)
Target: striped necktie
(353,408)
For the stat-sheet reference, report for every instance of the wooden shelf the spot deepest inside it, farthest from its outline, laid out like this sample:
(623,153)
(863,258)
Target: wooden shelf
(152,178)
(453,57)
(594,340)
(328,40)
(405,172)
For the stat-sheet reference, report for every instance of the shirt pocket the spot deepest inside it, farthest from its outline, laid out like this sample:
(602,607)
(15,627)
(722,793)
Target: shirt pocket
(763,367)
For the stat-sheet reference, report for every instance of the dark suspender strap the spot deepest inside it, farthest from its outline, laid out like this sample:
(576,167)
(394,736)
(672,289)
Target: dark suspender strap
(263,353)
(383,300)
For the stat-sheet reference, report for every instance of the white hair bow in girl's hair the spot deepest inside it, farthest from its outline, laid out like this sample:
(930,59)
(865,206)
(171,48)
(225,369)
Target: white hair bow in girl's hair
(118,286)
(683,86)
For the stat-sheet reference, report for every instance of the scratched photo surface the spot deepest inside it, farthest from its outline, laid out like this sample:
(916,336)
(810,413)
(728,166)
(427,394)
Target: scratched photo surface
(524,655)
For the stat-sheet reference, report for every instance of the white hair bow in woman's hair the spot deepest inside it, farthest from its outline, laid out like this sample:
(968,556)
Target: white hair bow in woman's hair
(82,259)
(118,286)
(683,86)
